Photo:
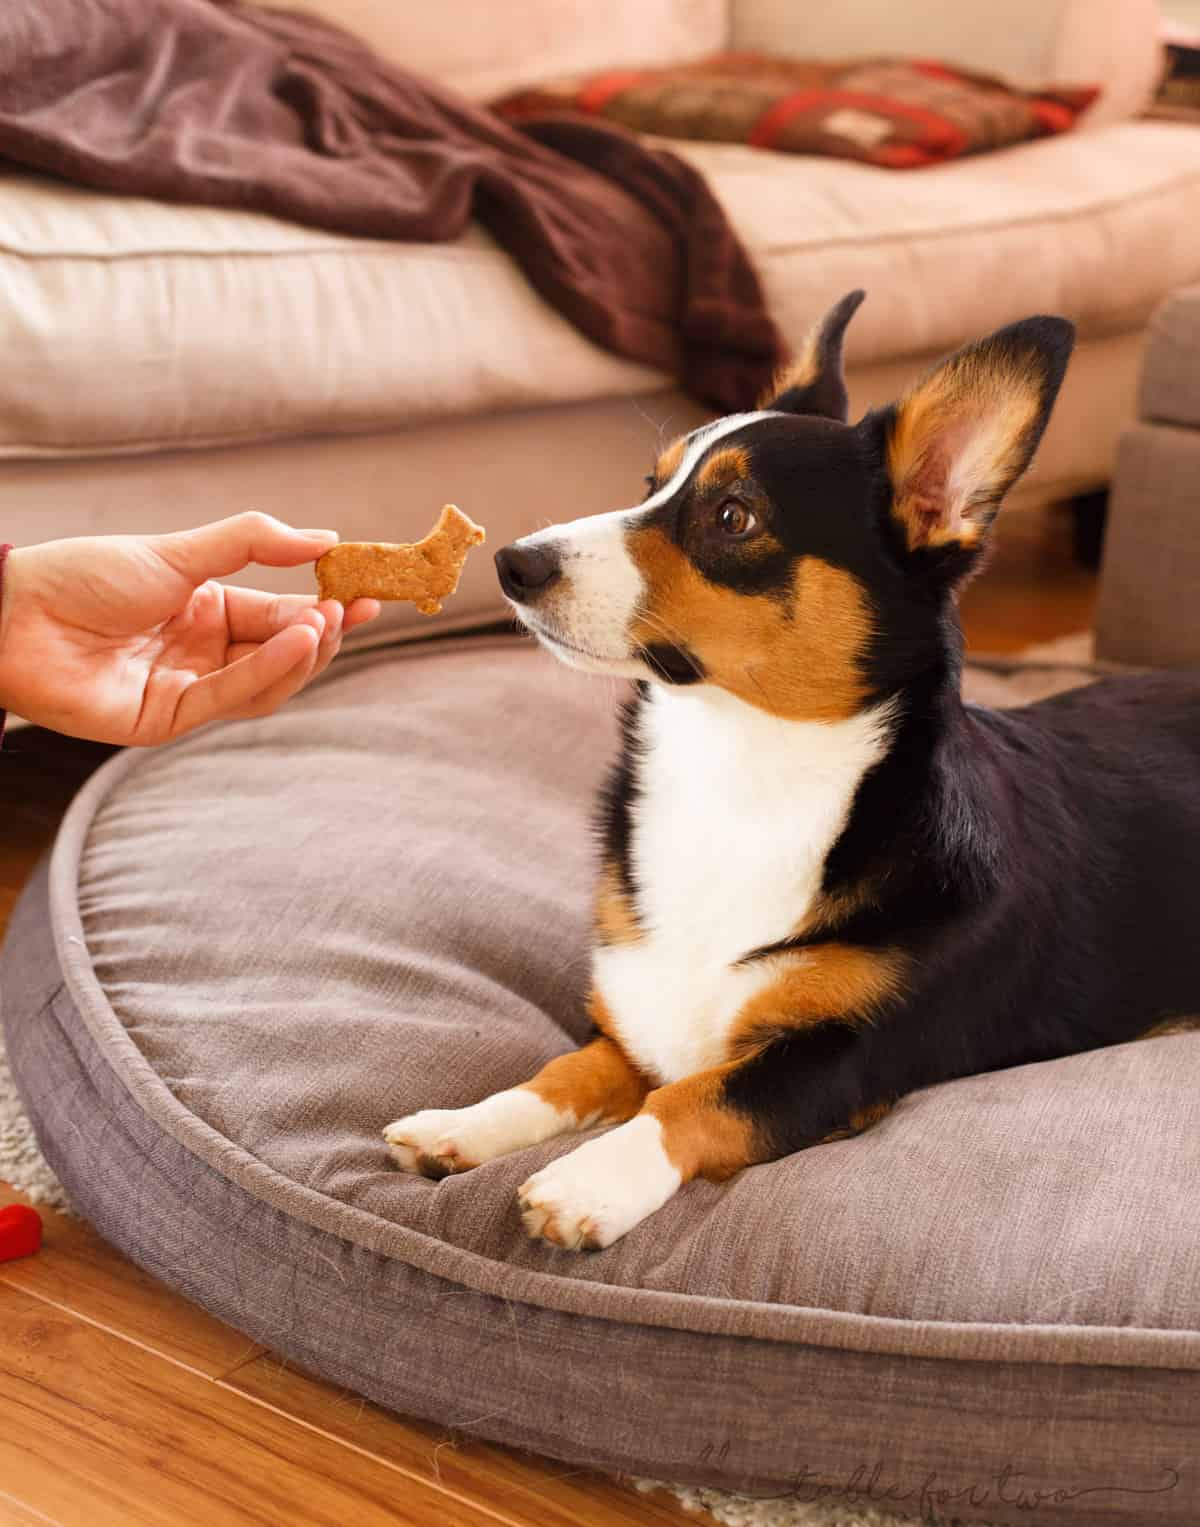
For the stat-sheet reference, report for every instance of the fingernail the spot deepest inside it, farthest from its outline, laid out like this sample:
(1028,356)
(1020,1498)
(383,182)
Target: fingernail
(319,535)
(316,620)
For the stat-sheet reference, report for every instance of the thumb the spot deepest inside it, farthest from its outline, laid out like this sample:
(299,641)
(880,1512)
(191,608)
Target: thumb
(226,546)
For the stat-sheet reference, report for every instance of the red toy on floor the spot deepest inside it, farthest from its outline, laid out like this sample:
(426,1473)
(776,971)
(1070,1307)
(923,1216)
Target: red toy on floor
(20,1232)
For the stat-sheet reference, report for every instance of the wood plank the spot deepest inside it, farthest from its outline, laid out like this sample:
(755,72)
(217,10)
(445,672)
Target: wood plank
(15,1513)
(97,1432)
(529,1488)
(77,1271)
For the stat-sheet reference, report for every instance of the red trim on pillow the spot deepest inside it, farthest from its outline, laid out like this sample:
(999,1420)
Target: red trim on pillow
(934,70)
(903,156)
(765,133)
(941,140)
(596,95)
(1053,115)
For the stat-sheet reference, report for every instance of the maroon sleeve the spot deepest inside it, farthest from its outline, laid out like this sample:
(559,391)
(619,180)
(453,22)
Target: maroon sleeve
(5,548)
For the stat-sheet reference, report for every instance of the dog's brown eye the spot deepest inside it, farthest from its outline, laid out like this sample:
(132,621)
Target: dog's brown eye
(736,520)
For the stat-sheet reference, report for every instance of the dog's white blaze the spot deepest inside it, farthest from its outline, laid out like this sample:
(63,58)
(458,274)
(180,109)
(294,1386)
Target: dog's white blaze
(736,815)
(604,586)
(598,1192)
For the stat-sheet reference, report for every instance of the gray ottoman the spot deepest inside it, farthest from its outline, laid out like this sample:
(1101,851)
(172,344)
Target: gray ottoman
(1149,610)
(251,950)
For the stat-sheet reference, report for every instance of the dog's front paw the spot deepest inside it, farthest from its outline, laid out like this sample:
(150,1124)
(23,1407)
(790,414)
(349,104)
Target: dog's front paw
(590,1198)
(438,1141)
(430,1143)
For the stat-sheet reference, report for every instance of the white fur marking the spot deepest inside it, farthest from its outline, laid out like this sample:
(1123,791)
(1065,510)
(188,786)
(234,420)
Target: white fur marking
(736,815)
(459,1138)
(595,1194)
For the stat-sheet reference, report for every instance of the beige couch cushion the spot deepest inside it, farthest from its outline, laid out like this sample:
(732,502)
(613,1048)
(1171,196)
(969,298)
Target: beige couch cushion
(1111,43)
(127,325)
(485,49)
(130,325)
(1094,225)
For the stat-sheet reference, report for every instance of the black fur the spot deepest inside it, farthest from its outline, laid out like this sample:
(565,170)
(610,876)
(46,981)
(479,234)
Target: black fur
(619,794)
(1042,881)
(672,664)
(826,393)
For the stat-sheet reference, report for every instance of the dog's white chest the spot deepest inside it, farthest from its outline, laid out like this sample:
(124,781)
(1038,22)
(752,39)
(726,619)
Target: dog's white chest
(736,815)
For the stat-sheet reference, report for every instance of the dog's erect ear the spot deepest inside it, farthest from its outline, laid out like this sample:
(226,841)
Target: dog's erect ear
(813,383)
(957,441)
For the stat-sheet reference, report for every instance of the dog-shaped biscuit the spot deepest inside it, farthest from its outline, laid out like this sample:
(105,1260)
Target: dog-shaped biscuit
(425,572)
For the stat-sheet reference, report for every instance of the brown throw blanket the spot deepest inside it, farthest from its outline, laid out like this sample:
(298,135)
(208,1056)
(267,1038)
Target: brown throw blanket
(238,107)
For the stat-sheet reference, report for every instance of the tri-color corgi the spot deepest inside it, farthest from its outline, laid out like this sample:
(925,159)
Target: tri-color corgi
(826,881)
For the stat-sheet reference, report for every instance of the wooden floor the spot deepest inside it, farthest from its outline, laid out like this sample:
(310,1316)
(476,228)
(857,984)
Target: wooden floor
(1033,589)
(121,1404)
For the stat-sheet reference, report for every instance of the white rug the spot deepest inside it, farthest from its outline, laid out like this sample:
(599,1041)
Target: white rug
(1037,672)
(21,1162)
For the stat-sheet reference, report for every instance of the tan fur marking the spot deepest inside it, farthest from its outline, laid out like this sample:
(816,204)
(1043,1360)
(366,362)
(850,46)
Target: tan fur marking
(958,438)
(831,981)
(668,463)
(594,1082)
(723,468)
(828,910)
(616,918)
(601,1015)
(701,1134)
(798,658)
(1169,1026)
(860,1119)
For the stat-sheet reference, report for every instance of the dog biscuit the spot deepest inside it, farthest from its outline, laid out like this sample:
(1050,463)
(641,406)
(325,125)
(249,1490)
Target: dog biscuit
(424,572)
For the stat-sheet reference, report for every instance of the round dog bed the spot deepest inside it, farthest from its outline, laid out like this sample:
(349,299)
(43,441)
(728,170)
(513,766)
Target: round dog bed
(252,950)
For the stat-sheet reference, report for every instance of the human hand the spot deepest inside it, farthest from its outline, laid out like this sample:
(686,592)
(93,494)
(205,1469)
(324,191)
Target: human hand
(129,639)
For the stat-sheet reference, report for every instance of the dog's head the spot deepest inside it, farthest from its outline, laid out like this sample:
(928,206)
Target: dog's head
(801,563)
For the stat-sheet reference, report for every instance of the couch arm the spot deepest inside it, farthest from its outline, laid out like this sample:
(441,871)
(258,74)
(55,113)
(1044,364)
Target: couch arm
(1111,43)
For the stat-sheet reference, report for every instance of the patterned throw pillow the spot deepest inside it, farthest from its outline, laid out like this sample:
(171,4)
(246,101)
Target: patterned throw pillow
(900,113)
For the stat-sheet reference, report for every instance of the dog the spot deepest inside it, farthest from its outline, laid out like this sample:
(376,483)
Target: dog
(826,881)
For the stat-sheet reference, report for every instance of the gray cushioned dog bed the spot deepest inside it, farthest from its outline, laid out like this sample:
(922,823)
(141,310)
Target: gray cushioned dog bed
(252,950)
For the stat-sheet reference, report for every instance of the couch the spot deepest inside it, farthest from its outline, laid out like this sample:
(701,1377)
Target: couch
(1149,607)
(165,364)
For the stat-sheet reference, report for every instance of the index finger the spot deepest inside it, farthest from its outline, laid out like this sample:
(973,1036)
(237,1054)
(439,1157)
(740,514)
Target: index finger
(226,546)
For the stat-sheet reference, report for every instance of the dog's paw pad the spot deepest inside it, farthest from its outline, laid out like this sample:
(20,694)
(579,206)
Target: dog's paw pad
(442,1161)
(420,1144)
(588,1199)
(548,1215)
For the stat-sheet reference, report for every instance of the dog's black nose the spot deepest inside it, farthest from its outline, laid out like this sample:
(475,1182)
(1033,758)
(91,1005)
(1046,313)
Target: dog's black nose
(527,570)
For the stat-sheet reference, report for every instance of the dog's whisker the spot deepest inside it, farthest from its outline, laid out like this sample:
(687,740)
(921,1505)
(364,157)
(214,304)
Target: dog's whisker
(674,637)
